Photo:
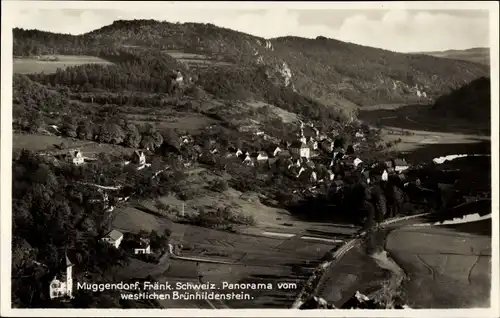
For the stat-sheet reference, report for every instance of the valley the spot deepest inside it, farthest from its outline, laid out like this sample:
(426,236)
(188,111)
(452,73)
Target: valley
(208,155)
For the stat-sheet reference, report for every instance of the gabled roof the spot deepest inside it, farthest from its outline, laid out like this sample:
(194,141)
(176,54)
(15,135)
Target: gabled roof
(309,131)
(114,235)
(400,162)
(74,153)
(272,161)
(284,153)
(262,153)
(299,144)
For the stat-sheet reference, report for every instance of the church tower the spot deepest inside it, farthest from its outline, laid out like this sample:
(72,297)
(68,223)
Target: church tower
(69,277)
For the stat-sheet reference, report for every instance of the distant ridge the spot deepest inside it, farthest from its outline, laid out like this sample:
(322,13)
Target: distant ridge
(477,54)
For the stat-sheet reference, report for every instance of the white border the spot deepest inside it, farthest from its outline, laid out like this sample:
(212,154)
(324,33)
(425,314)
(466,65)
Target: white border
(9,9)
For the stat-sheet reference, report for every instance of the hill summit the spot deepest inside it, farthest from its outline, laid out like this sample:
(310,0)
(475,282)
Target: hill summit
(340,75)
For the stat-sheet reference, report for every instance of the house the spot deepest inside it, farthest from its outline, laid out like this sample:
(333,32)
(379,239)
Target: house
(275,151)
(359,134)
(61,285)
(144,247)
(139,157)
(357,162)
(385,175)
(186,139)
(300,149)
(213,150)
(179,78)
(247,159)
(400,165)
(331,175)
(306,172)
(313,144)
(308,132)
(114,238)
(337,153)
(76,157)
(261,156)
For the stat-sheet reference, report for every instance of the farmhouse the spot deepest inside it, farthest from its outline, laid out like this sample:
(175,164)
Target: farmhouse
(144,247)
(76,157)
(139,157)
(61,285)
(113,238)
(300,149)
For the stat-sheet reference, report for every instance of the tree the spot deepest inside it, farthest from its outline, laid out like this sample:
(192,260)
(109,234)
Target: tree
(339,142)
(133,137)
(85,130)
(68,127)
(111,133)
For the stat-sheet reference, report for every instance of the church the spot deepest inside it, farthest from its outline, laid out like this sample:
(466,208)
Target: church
(62,284)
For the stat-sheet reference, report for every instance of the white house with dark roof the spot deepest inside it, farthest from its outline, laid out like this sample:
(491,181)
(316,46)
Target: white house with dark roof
(144,247)
(276,151)
(61,285)
(113,238)
(76,157)
(261,156)
(139,157)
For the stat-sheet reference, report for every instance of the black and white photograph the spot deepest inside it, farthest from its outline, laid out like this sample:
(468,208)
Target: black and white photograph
(298,159)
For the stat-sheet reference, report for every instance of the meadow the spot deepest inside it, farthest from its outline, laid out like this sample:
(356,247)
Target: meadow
(33,65)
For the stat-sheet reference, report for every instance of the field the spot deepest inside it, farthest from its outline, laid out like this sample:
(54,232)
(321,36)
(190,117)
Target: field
(195,60)
(435,257)
(217,256)
(31,65)
(46,143)
(269,252)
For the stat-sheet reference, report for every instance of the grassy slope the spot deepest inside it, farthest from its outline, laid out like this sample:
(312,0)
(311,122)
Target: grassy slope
(336,73)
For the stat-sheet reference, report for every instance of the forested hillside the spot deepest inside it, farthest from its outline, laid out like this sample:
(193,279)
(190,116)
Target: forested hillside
(471,101)
(338,74)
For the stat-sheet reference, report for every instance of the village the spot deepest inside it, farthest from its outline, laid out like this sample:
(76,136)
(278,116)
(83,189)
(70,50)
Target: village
(313,158)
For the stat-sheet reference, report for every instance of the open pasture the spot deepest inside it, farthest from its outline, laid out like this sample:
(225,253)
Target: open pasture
(32,65)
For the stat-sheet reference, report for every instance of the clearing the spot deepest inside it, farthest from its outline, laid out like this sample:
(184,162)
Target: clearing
(46,65)
(47,143)
(196,60)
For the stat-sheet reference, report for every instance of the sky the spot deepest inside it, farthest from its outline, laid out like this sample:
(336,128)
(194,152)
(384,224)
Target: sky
(388,27)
